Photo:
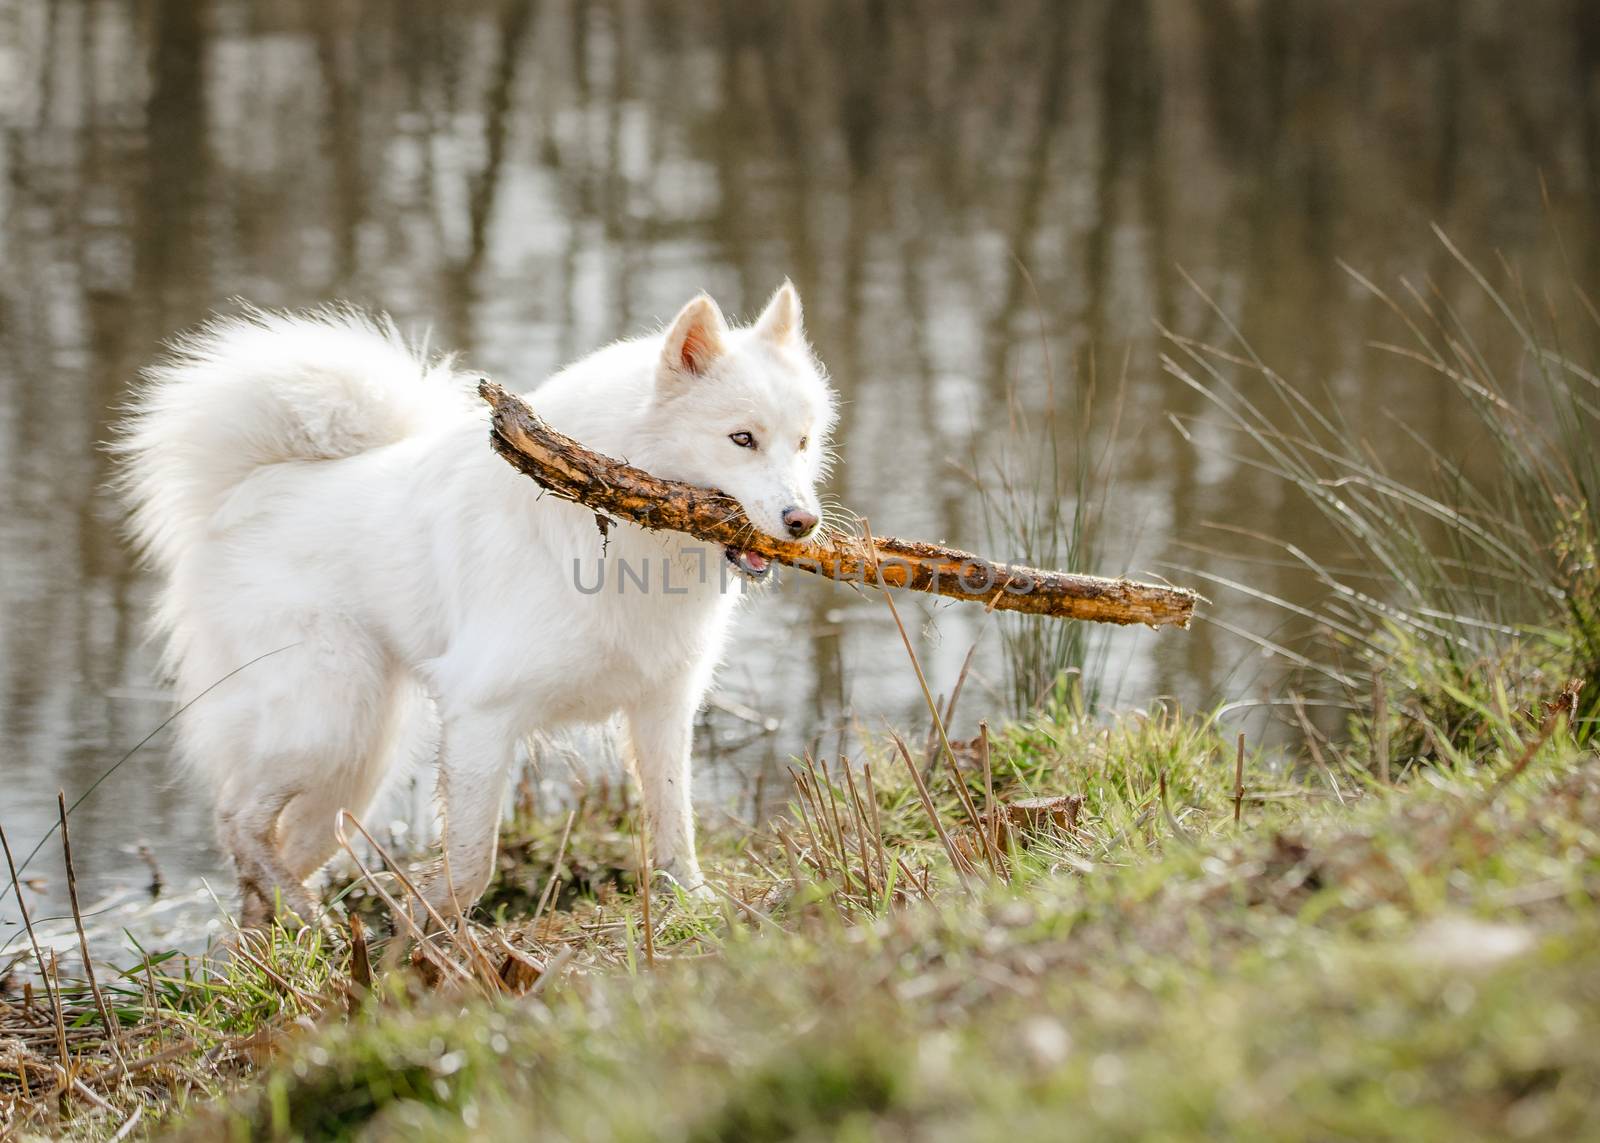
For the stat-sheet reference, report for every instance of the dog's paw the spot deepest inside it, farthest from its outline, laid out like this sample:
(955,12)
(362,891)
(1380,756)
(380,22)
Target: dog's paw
(685,879)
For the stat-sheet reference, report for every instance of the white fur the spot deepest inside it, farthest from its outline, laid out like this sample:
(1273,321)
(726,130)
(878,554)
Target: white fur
(313,490)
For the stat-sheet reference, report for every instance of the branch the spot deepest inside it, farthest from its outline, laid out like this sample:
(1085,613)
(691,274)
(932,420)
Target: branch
(614,488)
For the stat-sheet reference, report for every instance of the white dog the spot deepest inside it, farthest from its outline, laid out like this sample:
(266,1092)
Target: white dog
(314,491)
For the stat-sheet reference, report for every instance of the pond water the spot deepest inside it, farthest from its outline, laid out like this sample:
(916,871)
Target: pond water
(982,206)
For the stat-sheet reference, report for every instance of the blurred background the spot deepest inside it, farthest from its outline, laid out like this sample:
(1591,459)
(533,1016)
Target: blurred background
(992,213)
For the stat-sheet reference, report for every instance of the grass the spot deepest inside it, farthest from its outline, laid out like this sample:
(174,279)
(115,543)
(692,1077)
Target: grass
(1084,925)
(1409,962)
(1044,500)
(1483,567)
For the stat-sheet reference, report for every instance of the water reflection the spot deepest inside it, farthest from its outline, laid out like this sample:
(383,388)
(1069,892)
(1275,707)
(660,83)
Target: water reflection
(980,207)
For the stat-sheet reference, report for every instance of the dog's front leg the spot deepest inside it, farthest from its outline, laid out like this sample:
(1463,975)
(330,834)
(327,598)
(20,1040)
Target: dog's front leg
(474,760)
(660,731)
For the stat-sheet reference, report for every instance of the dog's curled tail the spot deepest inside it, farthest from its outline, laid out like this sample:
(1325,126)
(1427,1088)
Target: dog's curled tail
(242,393)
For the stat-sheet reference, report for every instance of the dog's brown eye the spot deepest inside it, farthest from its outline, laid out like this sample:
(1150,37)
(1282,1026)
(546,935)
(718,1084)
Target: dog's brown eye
(803,442)
(743,440)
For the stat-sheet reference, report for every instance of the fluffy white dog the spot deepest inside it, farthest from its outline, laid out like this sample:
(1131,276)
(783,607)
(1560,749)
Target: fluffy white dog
(313,490)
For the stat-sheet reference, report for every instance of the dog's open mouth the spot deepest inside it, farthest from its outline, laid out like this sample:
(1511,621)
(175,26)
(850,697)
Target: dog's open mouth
(751,565)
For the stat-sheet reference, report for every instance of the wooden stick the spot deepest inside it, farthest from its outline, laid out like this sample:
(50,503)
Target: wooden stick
(615,489)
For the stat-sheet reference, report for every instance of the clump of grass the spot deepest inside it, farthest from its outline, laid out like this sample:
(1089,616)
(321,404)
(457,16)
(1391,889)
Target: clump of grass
(1044,505)
(1487,569)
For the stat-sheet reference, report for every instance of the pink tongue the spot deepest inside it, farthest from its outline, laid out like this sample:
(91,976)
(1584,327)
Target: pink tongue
(755,562)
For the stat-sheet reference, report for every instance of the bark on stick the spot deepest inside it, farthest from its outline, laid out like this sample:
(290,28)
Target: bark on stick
(616,489)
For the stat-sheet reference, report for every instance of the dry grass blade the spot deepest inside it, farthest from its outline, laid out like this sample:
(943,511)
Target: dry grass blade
(555,872)
(360,962)
(644,894)
(956,860)
(916,663)
(862,824)
(51,995)
(401,913)
(53,975)
(1298,703)
(877,824)
(843,847)
(816,849)
(791,851)
(465,938)
(1238,781)
(113,1027)
(129,1124)
(991,823)
(949,706)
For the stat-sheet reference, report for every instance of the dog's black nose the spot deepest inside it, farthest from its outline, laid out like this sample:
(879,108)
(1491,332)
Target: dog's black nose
(799,522)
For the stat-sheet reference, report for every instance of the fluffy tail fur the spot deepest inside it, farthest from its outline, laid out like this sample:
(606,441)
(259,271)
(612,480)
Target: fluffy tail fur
(246,392)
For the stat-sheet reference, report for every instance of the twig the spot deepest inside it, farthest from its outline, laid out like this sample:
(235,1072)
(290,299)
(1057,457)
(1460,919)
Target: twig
(644,867)
(1299,706)
(91,1095)
(53,975)
(127,1127)
(157,882)
(401,912)
(877,826)
(360,960)
(555,871)
(112,1026)
(1238,781)
(861,825)
(991,823)
(33,939)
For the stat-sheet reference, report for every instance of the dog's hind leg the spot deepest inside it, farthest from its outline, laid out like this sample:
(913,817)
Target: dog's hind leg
(247,820)
(273,735)
(307,835)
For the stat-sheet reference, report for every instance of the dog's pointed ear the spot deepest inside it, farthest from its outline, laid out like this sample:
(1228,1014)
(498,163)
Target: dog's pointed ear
(695,338)
(779,323)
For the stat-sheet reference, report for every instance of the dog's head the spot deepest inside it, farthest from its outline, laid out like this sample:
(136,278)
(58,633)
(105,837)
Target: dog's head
(748,411)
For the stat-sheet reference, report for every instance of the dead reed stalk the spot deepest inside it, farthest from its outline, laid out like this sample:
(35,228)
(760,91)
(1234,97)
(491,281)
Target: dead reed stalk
(112,1026)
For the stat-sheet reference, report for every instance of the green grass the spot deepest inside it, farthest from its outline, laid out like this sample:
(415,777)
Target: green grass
(1447,564)
(1349,960)
(1419,963)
